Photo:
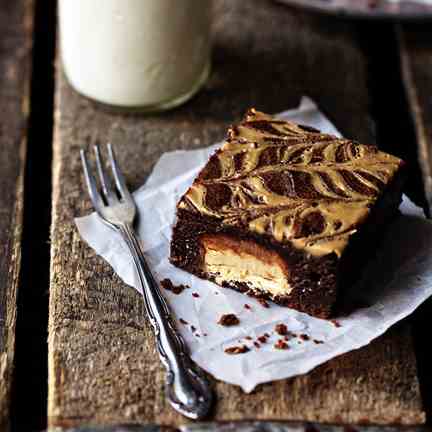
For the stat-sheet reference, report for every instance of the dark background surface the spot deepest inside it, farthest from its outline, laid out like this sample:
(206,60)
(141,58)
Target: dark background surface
(30,386)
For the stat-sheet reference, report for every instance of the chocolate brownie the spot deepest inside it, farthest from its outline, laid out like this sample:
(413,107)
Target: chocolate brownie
(284,212)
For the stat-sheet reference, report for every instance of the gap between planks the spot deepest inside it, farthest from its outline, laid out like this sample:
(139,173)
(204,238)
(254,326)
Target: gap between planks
(30,375)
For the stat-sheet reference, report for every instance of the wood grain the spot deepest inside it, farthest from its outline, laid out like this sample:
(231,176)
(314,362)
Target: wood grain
(103,368)
(416,63)
(15,49)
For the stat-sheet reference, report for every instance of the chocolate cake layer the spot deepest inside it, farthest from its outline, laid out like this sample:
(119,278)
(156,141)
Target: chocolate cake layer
(281,211)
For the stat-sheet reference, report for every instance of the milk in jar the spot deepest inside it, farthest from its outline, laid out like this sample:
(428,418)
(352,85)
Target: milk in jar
(143,54)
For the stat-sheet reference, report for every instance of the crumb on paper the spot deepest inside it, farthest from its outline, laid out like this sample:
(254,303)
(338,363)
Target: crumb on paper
(195,294)
(228,320)
(262,339)
(304,337)
(318,341)
(237,349)
(263,303)
(281,329)
(257,345)
(246,306)
(336,323)
(169,286)
(281,344)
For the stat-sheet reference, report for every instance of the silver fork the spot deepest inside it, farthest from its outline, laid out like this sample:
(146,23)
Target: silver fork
(187,389)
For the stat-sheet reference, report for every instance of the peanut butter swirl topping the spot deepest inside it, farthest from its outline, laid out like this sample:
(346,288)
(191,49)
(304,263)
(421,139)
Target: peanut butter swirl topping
(291,182)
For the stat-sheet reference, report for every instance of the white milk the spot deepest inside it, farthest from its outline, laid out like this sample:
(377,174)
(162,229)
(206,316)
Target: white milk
(149,54)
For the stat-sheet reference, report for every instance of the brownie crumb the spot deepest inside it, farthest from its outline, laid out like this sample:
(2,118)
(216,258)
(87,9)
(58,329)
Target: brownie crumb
(266,335)
(336,323)
(317,341)
(167,284)
(304,337)
(281,344)
(193,328)
(228,320)
(281,329)
(248,338)
(262,339)
(263,303)
(205,334)
(175,289)
(237,349)
(246,306)
(183,321)
(195,294)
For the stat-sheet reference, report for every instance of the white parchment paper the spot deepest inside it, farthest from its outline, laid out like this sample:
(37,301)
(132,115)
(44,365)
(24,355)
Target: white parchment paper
(399,280)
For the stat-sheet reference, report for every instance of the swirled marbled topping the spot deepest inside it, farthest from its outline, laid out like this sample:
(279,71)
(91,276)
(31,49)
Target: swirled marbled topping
(291,182)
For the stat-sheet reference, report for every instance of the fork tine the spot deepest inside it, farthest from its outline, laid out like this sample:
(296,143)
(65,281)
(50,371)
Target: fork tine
(95,197)
(104,180)
(118,176)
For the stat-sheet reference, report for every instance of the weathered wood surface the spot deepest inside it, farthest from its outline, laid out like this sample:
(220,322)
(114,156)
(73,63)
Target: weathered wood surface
(416,62)
(250,426)
(15,49)
(103,368)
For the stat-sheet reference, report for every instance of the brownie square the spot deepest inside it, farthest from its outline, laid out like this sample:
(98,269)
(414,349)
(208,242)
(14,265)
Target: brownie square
(284,212)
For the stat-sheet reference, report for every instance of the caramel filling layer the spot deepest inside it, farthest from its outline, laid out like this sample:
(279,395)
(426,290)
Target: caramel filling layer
(242,261)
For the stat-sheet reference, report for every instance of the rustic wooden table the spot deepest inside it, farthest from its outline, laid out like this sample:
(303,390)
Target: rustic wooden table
(100,367)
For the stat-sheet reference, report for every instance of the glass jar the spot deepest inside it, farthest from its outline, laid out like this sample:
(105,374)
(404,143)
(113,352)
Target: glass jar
(146,55)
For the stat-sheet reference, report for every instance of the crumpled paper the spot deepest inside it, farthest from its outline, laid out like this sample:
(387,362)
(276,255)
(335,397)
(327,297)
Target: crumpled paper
(399,280)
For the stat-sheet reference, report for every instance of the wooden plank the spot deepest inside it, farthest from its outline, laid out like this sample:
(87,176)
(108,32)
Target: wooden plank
(15,49)
(103,367)
(416,64)
(248,426)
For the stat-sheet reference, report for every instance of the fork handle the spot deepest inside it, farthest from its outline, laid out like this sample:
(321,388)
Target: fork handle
(187,390)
